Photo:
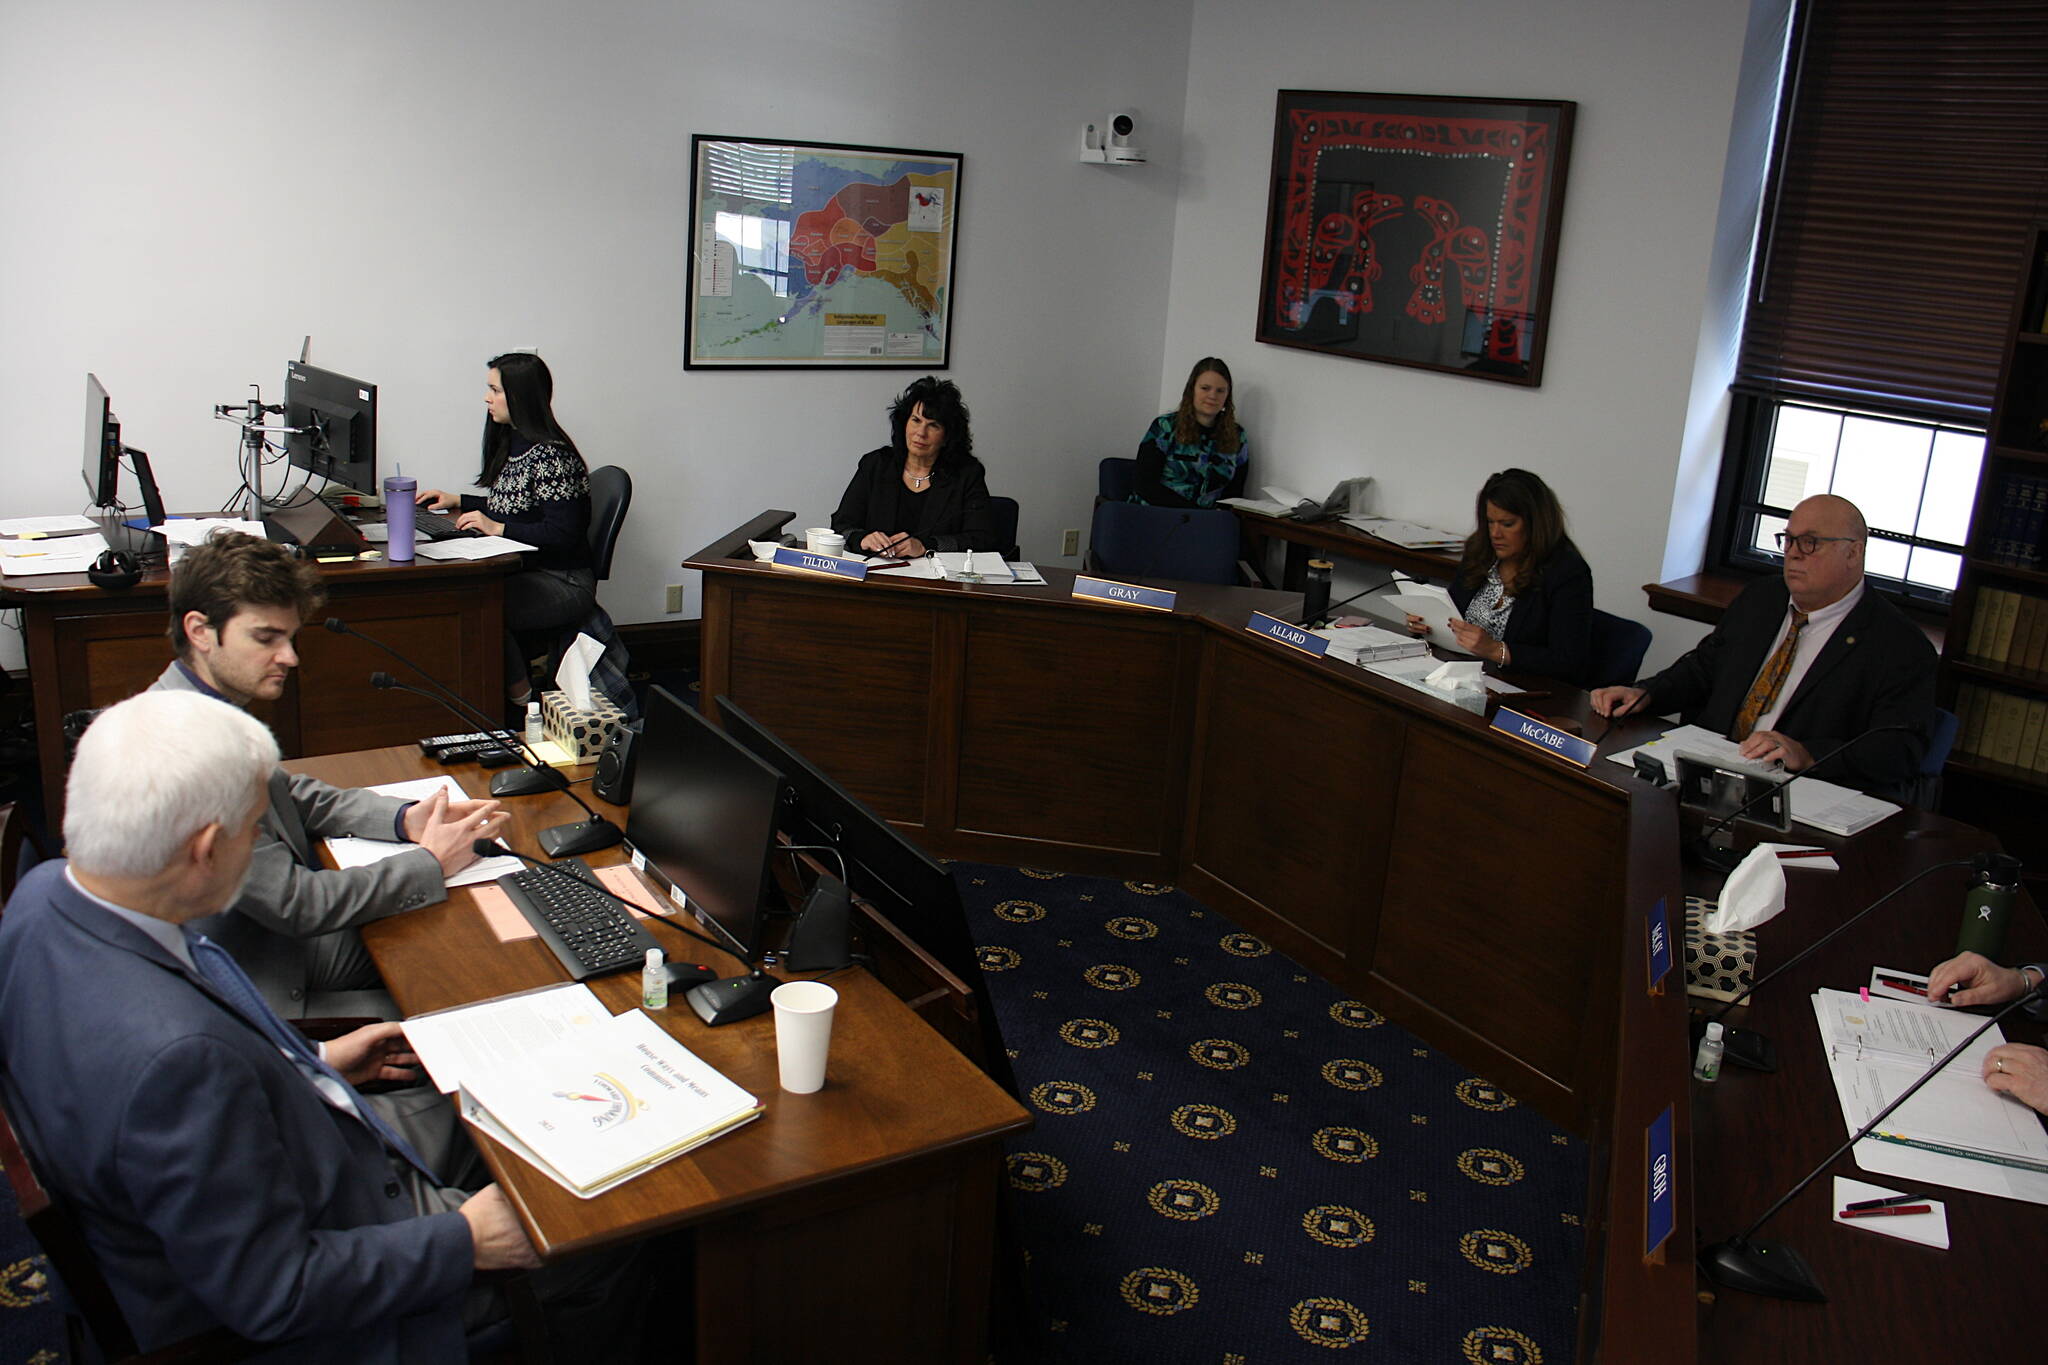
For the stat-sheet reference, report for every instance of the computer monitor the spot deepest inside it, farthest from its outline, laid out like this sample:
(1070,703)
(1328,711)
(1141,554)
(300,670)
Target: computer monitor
(102,469)
(703,817)
(333,421)
(883,867)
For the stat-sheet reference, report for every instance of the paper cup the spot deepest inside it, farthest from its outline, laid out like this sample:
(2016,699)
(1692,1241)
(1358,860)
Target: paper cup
(803,1033)
(816,536)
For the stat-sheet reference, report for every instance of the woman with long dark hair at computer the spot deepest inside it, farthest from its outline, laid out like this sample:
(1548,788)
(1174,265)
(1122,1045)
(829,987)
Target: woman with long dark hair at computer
(923,491)
(538,491)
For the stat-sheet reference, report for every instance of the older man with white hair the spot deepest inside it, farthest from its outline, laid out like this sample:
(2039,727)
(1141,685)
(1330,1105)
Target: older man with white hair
(225,1171)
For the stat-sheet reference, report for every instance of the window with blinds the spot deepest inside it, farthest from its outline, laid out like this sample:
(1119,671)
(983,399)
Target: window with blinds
(1911,153)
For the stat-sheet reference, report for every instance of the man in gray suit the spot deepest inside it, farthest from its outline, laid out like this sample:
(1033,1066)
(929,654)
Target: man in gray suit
(236,604)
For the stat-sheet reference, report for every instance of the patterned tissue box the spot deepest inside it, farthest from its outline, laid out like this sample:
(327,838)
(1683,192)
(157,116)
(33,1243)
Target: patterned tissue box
(581,733)
(1718,966)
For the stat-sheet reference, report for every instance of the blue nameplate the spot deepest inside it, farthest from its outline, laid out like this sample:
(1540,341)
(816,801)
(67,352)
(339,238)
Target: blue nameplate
(1294,637)
(1123,594)
(1660,1193)
(1570,748)
(792,558)
(1659,944)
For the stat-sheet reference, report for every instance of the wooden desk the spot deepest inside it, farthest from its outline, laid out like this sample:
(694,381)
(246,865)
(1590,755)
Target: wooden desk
(1483,895)
(1334,538)
(1755,1134)
(89,647)
(900,1151)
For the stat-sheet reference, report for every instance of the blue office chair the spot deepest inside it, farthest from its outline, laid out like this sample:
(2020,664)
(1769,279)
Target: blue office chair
(1116,478)
(1193,544)
(1004,513)
(1941,738)
(1619,645)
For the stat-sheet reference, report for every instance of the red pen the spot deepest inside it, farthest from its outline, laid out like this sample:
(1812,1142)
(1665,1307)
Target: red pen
(1810,853)
(1887,1212)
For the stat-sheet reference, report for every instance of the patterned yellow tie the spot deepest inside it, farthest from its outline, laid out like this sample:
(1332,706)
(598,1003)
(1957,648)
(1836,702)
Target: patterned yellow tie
(1763,693)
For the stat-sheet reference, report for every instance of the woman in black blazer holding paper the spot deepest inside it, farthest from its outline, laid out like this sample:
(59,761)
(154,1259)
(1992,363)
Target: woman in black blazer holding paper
(923,491)
(1523,589)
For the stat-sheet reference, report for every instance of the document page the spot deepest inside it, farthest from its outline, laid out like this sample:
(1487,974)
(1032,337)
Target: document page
(470,547)
(36,558)
(351,850)
(458,1042)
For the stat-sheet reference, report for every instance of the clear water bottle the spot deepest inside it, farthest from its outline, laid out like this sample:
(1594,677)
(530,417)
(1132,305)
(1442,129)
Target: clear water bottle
(1706,1066)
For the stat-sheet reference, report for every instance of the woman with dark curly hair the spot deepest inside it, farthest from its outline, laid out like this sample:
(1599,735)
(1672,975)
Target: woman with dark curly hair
(924,491)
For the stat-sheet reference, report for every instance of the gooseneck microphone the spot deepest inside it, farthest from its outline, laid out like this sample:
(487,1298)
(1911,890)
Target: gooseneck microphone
(535,777)
(558,841)
(1747,1047)
(1776,1270)
(491,848)
(1726,859)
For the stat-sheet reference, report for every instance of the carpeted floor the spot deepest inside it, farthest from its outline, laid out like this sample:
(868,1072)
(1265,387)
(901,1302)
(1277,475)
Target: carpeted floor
(1234,1164)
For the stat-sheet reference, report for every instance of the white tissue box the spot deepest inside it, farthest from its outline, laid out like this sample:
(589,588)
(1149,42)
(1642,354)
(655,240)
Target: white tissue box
(581,733)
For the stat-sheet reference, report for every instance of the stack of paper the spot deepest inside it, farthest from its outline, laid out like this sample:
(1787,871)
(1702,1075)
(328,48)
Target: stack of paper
(195,530)
(974,566)
(1407,534)
(470,547)
(68,523)
(36,558)
(605,1104)
(1370,644)
(1432,603)
(1822,805)
(1956,1130)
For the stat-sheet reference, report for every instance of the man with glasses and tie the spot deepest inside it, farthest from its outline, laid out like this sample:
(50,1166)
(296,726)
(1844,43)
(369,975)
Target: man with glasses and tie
(225,1170)
(1806,662)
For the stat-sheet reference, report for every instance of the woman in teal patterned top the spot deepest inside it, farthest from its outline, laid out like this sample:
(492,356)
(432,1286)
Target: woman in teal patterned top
(1197,453)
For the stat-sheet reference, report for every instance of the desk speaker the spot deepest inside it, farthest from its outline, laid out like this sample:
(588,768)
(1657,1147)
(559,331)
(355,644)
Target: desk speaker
(613,779)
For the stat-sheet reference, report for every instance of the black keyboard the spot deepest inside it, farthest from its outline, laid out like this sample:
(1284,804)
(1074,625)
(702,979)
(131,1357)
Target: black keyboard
(590,932)
(435,526)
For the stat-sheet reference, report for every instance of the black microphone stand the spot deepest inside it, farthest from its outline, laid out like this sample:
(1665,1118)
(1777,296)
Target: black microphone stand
(1776,1270)
(1723,858)
(534,778)
(1747,1047)
(557,841)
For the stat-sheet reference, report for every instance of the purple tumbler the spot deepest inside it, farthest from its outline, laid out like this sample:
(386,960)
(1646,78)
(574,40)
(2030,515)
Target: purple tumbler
(399,490)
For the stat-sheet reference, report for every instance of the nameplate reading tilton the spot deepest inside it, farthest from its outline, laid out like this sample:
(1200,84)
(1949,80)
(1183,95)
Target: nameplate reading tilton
(1122,594)
(1550,739)
(1294,637)
(789,557)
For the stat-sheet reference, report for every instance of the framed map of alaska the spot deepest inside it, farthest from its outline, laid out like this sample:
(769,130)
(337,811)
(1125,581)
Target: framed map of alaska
(809,255)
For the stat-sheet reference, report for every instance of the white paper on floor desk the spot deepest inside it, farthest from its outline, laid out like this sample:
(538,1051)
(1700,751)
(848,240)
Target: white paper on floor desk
(454,1043)
(353,851)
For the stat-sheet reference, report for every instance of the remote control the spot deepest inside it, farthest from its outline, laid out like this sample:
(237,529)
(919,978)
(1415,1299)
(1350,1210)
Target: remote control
(441,744)
(468,753)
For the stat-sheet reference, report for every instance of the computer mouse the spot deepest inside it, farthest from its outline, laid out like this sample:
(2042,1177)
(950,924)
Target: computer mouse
(114,569)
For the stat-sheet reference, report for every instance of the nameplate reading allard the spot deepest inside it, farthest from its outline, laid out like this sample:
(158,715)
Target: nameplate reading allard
(1122,594)
(789,557)
(1294,637)
(1548,738)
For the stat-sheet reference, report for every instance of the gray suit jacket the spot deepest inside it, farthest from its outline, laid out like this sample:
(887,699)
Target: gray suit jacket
(289,897)
(213,1183)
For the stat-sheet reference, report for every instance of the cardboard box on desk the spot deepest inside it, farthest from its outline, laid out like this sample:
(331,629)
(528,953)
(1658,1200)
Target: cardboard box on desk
(582,733)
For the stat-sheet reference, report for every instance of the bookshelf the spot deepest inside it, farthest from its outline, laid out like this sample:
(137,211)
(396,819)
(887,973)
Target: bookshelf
(1994,664)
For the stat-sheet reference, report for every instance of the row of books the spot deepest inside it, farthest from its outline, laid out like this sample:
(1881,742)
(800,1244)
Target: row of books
(2019,512)
(2002,727)
(2009,628)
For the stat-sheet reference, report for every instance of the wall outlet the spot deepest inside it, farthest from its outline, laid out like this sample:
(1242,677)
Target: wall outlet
(675,598)
(1070,541)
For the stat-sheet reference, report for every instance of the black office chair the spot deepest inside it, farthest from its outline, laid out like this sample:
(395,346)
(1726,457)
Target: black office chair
(1193,544)
(1116,478)
(1619,645)
(1004,512)
(611,493)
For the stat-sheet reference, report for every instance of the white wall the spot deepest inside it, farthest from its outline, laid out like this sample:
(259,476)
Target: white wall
(1656,83)
(190,188)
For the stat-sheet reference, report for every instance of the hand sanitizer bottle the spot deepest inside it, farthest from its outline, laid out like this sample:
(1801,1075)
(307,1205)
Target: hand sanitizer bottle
(654,982)
(1707,1065)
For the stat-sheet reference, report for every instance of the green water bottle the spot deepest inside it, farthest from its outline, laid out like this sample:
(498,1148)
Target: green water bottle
(1988,906)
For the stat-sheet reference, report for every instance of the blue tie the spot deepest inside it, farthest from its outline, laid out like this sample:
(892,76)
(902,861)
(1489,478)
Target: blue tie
(219,970)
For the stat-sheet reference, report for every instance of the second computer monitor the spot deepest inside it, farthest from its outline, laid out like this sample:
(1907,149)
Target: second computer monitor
(333,421)
(102,468)
(703,816)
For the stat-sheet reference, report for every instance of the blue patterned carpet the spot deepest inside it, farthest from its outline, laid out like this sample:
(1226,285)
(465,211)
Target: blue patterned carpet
(1234,1164)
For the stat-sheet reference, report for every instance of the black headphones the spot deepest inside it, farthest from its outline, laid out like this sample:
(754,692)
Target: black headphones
(114,569)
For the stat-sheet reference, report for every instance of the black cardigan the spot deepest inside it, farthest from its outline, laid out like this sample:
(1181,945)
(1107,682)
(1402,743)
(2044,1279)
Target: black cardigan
(1550,627)
(952,514)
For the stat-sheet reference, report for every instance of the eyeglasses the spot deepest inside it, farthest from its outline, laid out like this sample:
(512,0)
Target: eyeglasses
(1808,544)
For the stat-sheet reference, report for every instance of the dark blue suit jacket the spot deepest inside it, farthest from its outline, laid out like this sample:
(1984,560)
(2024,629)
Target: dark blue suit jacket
(1550,627)
(213,1182)
(1876,669)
